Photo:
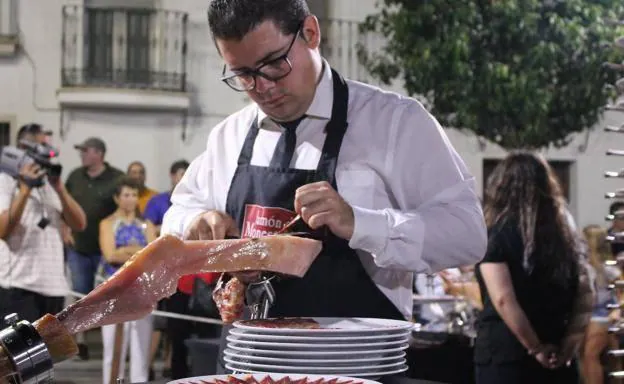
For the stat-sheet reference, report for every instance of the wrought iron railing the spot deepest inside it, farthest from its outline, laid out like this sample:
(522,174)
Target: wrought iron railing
(138,48)
(8,19)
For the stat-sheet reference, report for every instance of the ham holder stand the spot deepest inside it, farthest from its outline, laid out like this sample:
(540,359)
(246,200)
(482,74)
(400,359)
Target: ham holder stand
(27,351)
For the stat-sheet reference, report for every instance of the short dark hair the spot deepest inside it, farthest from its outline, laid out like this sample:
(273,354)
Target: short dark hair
(180,164)
(136,162)
(616,206)
(233,19)
(32,129)
(127,182)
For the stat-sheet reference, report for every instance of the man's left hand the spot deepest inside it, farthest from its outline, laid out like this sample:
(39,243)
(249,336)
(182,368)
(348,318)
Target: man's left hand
(320,204)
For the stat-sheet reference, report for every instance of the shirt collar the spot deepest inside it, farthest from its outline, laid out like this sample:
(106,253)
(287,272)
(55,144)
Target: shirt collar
(321,107)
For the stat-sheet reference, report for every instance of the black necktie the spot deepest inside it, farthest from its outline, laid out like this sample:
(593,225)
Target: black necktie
(286,144)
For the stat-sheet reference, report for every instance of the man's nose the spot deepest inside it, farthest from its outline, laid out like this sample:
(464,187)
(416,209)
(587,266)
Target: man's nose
(263,85)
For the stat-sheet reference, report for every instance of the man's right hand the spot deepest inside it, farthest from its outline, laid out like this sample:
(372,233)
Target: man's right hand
(28,174)
(211,225)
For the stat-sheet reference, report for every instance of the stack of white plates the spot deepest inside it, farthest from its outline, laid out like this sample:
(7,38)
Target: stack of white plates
(356,347)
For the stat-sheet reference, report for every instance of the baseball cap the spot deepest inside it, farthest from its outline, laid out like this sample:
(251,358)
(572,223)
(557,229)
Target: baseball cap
(33,129)
(92,142)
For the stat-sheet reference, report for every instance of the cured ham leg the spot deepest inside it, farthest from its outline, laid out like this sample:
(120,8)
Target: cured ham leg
(152,273)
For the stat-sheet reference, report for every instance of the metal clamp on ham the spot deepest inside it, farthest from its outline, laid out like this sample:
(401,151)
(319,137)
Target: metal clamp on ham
(26,352)
(260,296)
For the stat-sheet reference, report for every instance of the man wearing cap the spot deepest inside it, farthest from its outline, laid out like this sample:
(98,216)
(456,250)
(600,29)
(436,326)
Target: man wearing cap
(92,185)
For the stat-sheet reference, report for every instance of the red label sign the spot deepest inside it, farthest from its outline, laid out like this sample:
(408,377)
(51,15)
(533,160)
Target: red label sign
(264,221)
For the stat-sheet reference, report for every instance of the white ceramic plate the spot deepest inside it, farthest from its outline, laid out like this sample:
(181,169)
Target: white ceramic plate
(312,361)
(243,334)
(315,354)
(337,325)
(308,346)
(373,374)
(274,376)
(315,369)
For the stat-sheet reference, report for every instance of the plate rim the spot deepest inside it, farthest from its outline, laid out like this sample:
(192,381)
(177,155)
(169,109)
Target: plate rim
(401,325)
(314,346)
(302,338)
(400,355)
(357,376)
(403,347)
(335,369)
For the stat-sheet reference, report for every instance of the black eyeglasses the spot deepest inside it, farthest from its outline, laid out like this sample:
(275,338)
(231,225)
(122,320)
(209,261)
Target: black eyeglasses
(273,70)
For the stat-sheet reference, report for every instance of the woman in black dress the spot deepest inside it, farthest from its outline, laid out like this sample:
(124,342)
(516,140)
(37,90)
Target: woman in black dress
(529,277)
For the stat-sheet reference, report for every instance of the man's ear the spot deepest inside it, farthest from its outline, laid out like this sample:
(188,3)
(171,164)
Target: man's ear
(311,32)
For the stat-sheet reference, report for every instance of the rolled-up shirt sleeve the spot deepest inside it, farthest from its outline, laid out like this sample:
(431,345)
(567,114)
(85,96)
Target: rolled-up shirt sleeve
(191,197)
(438,221)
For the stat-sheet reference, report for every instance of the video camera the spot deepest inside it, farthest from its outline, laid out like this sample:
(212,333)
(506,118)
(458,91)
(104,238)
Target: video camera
(12,159)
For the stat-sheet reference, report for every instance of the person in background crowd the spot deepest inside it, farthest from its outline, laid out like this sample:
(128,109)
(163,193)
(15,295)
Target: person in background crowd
(136,171)
(92,185)
(33,133)
(154,212)
(434,314)
(160,203)
(597,337)
(178,330)
(465,285)
(536,294)
(617,225)
(121,235)
(32,277)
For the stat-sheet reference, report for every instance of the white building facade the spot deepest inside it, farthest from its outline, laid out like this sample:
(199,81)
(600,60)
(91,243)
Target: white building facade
(143,76)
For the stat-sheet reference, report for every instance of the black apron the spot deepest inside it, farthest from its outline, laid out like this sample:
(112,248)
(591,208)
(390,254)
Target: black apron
(336,285)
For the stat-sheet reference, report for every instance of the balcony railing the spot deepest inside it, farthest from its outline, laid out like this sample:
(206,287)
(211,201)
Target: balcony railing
(339,47)
(8,19)
(127,48)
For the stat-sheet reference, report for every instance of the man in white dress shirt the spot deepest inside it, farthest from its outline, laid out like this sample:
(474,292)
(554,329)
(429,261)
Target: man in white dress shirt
(371,172)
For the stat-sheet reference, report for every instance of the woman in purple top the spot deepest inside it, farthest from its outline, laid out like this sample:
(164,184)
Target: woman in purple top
(158,205)
(121,235)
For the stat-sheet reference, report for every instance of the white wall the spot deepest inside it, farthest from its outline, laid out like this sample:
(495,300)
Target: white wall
(154,138)
(587,183)
(29,93)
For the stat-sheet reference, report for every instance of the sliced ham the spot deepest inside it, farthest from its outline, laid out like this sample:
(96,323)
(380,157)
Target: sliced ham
(152,274)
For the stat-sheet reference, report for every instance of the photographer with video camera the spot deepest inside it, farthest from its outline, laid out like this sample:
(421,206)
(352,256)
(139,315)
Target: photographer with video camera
(33,205)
